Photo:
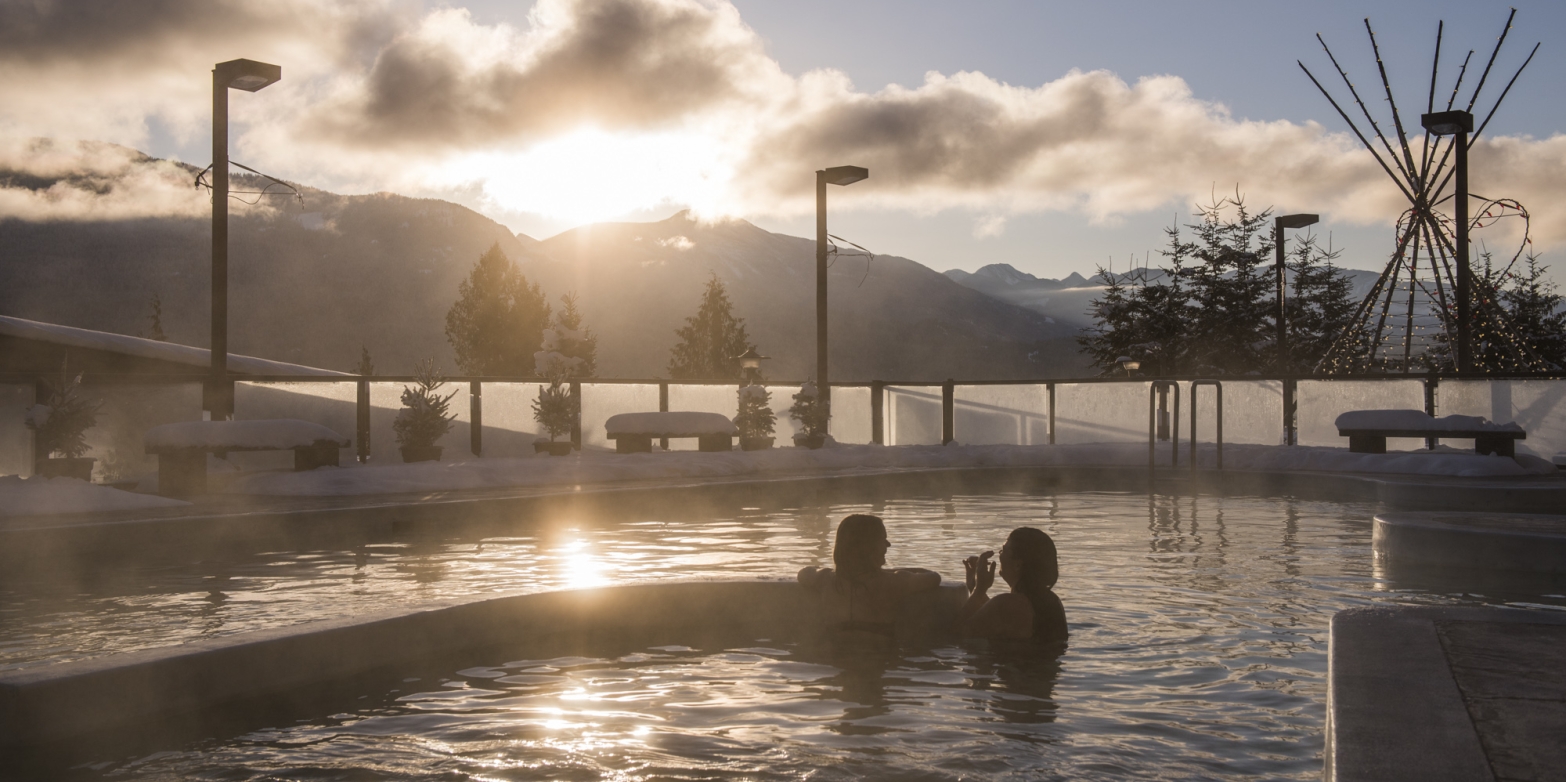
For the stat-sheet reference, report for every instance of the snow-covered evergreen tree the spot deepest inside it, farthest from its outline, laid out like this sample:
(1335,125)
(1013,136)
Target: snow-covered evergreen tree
(809,411)
(424,417)
(61,421)
(575,340)
(365,367)
(755,417)
(498,318)
(710,340)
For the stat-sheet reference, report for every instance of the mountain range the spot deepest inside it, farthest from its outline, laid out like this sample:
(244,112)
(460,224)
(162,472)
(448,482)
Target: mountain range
(312,284)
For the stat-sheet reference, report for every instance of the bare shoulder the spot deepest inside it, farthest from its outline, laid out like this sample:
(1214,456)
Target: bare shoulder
(913,579)
(1011,606)
(814,577)
(1005,616)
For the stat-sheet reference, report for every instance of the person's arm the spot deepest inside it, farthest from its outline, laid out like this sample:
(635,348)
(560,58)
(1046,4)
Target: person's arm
(916,579)
(812,576)
(979,575)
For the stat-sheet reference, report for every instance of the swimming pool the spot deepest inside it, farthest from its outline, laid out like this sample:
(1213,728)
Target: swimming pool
(1198,649)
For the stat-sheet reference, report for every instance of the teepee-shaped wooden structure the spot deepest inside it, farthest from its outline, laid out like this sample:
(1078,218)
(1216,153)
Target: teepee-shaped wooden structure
(1413,318)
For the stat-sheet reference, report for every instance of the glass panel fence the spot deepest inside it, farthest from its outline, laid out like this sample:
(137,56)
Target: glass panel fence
(1252,412)
(913,415)
(509,428)
(723,400)
(850,416)
(1103,412)
(1538,406)
(601,400)
(1001,415)
(127,413)
(16,441)
(332,405)
(1322,401)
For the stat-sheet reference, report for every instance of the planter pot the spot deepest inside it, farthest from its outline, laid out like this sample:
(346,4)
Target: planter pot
(79,468)
(811,441)
(421,453)
(755,443)
(552,448)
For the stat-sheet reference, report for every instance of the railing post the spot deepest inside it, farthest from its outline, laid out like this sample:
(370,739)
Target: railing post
(1050,387)
(362,423)
(948,392)
(663,407)
(1290,427)
(1218,386)
(1432,393)
(576,415)
(877,412)
(476,418)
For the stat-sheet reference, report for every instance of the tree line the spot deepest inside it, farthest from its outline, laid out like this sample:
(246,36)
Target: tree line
(1213,309)
(502,325)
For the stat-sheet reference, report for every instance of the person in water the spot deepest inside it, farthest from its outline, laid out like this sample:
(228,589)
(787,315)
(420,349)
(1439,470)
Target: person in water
(1030,609)
(861,594)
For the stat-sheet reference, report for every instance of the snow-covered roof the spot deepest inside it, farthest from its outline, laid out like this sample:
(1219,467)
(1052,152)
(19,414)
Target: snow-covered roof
(672,424)
(70,336)
(278,434)
(1418,421)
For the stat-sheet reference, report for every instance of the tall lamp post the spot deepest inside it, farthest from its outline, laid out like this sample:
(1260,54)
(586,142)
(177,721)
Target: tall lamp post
(247,75)
(1459,124)
(1279,225)
(837,175)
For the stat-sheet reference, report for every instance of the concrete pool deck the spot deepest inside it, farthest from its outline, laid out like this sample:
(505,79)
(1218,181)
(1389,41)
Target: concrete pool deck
(1428,693)
(1493,540)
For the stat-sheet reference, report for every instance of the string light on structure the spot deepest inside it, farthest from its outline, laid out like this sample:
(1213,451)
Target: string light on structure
(1408,322)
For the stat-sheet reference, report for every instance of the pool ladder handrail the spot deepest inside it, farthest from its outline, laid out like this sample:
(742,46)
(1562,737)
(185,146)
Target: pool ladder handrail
(1219,387)
(1152,425)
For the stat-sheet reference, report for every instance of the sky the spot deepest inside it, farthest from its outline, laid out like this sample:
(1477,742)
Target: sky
(1055,137)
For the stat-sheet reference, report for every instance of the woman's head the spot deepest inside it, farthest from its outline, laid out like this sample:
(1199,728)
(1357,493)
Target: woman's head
(861,546)
(1027,561)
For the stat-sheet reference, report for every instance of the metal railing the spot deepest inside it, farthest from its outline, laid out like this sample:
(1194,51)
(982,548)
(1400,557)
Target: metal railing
(1219,388)
(1156,394)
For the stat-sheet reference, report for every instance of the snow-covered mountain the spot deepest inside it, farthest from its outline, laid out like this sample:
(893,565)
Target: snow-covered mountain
(311,284)
(1067,301)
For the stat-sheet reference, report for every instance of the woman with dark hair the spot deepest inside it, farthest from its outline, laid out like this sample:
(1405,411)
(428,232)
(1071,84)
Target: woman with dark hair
(1030,609)
(862,595)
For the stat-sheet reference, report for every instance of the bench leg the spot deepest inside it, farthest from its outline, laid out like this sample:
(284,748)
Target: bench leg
(633,445)
(715,443)
(1501,446)
(182,474)
(1367,443)
(321,454)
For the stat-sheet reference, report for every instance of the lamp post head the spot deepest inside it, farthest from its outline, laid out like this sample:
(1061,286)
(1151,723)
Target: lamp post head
(1448,123)
(843,175)
(1296,221)
(750,359)
(247,75)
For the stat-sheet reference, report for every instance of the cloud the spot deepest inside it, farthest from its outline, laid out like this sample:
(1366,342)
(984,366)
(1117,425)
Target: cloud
(42,180)
(626,104)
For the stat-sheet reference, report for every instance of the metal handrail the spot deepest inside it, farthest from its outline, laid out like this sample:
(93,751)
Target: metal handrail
(1152,425)
(1219,386)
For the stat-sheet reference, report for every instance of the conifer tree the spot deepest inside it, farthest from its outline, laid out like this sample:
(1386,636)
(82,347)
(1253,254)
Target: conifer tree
(1321,307)
(498,319)
(365,366)
(155,329)
(1534,305)
(710,339)
(576,340)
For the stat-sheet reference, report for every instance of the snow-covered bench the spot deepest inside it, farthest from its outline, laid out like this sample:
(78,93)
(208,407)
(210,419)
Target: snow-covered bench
(182,448)
(1368,430)
(634,432)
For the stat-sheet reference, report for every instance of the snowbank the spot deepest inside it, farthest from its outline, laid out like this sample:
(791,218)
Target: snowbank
(278,434)
(36,496)
(1418,421)
(599,468)
(671,424)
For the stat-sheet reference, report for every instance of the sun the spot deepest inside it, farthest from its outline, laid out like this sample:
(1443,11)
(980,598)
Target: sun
(591,176)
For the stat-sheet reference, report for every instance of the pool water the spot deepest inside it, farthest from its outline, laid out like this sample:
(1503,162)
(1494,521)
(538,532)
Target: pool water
(1198,650)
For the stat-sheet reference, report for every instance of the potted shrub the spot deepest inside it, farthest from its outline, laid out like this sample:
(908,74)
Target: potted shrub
(424,417)
(755,419)
(60,424)
(554,410)
(812,416)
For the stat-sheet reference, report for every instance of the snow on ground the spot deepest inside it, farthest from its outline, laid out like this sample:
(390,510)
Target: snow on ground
(36,496)
(596,467)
